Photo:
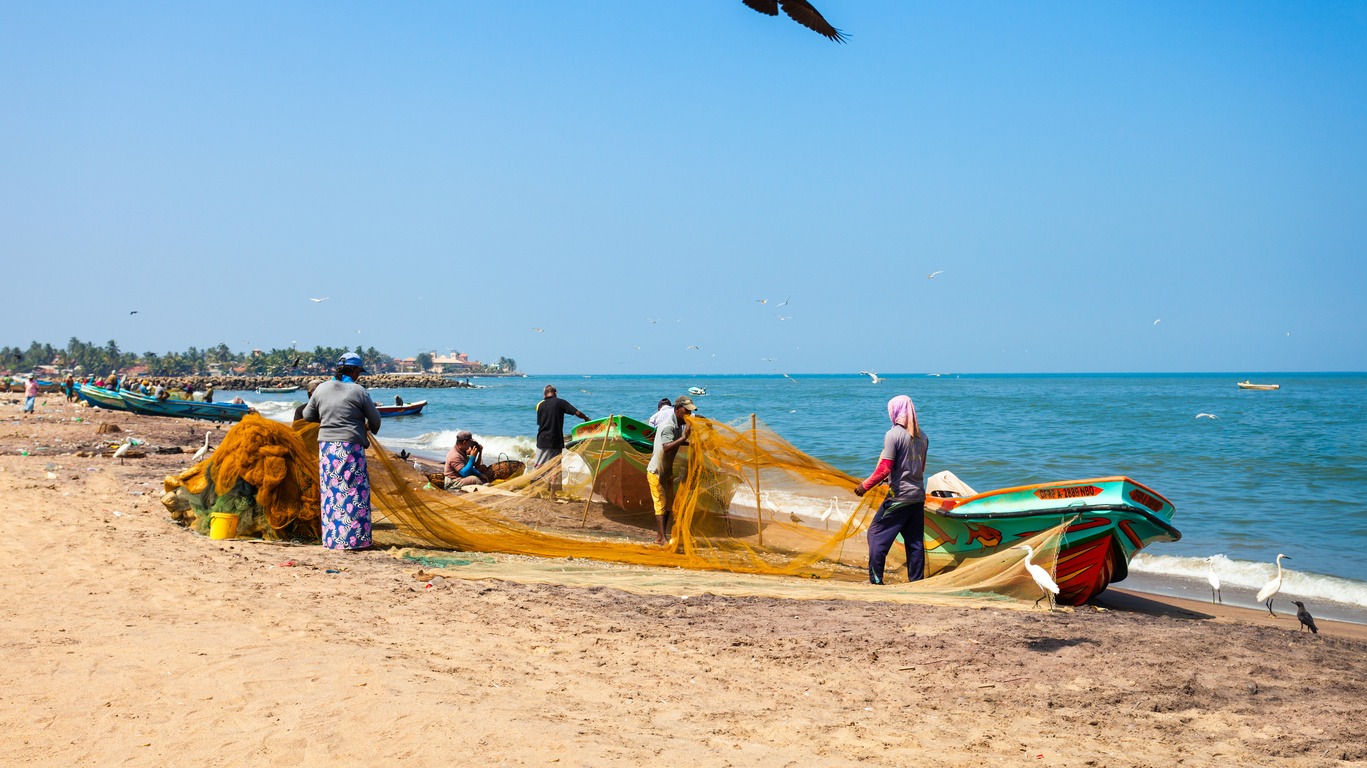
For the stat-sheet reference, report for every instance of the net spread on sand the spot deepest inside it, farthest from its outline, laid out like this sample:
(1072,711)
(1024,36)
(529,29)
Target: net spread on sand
(748,504)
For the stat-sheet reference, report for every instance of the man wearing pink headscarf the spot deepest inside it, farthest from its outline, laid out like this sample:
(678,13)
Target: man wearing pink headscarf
(903,464)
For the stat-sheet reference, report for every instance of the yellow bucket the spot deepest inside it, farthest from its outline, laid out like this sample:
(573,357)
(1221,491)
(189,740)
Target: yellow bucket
(222,525)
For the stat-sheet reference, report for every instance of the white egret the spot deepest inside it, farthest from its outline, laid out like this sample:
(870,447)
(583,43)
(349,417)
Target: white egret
(123,449)
(1214,579)
(203,450)
(1271,589)
(1041,576)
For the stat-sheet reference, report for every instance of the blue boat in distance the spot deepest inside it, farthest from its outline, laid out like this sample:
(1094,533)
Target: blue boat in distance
(184,409)
(101,397)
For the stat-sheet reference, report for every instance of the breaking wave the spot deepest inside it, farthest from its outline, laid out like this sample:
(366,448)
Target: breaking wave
(1253,575)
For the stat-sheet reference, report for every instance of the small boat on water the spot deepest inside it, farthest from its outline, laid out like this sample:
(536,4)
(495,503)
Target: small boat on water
(184,409)
(407,409)
(1249,385)
(277,390)
(697,390)
(1109,520)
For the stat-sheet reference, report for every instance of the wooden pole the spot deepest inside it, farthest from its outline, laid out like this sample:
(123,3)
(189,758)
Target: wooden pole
(759,506)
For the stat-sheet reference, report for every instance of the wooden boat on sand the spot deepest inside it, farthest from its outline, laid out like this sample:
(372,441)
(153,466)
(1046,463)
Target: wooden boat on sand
(101,397)
(1109,519)
(184,409)
(407,409)
(617,450)
(1266,387)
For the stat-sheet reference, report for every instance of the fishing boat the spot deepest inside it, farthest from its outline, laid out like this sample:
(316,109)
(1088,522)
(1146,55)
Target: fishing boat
(1109,519)
(184,409)
(407,409)
(278,390)
(101,397)
(616,450)
(1266,387)
(697,390)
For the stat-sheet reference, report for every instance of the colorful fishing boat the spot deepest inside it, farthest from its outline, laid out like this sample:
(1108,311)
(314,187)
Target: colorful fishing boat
(184,409)
(278,390)
(1264,387)
(407,409)
(101,397)
(1109,520)
(616,450)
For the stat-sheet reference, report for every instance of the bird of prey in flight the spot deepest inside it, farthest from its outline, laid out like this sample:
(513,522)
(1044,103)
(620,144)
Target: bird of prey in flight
(800,11)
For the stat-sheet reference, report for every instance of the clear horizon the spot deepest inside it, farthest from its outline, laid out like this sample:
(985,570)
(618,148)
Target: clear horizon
(1119,187)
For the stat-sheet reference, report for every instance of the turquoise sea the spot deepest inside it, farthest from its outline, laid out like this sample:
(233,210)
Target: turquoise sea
(1282,471)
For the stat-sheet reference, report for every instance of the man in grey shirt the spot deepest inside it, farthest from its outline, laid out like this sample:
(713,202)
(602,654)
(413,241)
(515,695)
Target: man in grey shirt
(669,435)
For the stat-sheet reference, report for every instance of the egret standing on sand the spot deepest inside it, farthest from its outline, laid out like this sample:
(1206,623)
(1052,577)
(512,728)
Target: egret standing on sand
(1271,589)
(1307,621)
(1041,576)
(1214,580)
(203,450)
(123,449)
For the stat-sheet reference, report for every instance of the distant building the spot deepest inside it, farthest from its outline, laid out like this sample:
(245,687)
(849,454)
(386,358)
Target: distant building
(460,363)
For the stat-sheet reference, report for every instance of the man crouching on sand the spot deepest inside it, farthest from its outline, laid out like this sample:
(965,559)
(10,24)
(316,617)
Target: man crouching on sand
(672,433)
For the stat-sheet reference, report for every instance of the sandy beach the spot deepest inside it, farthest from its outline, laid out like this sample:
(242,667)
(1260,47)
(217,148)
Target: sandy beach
(131,641)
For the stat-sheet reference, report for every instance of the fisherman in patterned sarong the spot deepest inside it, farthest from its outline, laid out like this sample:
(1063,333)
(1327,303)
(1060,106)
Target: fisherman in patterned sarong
(343,410)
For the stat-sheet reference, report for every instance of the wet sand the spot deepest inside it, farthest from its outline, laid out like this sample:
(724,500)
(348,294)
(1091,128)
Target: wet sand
(129,640)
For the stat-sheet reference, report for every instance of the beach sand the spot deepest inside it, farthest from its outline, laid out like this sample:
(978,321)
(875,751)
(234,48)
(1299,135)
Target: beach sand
(128,640)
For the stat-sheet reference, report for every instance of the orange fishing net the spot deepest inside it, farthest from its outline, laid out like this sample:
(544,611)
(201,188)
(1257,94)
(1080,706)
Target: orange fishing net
(747,502)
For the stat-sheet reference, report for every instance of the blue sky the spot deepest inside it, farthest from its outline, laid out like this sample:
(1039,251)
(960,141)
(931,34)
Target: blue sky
(455,174)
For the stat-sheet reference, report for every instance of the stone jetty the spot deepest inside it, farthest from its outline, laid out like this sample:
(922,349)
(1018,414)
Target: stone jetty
(252,383)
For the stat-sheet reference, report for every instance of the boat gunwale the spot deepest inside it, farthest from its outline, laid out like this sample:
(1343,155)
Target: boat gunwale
(1065,511)
(961,500)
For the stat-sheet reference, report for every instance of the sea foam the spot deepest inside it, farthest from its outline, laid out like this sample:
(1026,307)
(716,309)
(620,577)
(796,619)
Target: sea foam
(1253,575)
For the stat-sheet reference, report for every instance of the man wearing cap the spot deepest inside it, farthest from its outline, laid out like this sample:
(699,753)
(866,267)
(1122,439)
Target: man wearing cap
(672,433)
(463,462)
(344,412)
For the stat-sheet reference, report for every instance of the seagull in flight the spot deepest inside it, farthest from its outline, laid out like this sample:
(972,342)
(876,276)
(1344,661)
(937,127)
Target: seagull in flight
(872,375)
(1206,416)
(800,11)
(692,346)
(762,301)
(134,312)
(932,275)
(784,317)
(1159,320)
(652,320)
(320,301)
(783,303)
(538,330)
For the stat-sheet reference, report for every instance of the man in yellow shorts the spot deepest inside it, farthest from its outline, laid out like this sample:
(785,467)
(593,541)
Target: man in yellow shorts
(669,435)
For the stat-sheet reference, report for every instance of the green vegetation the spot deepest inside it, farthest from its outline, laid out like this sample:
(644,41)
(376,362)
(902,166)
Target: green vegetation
(93,358)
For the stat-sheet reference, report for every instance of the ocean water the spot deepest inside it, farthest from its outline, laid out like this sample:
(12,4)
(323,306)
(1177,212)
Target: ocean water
(1274,472)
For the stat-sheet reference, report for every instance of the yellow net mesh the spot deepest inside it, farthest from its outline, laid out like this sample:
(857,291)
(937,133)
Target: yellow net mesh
(749,507)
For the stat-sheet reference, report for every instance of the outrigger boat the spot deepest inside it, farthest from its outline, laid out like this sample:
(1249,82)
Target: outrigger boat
(1250,385)
(101,397)
(184,409)
(278,390)
(407,409)
(1109,520)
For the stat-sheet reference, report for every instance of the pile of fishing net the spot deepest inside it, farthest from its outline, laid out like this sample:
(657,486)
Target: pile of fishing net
(263,472)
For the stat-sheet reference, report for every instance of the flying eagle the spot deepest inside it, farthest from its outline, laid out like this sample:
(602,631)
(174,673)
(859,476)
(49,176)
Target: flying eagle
(800,11)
